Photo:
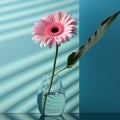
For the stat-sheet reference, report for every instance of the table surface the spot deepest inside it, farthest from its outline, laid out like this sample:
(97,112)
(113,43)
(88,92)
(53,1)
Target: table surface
(81,116)
(29,116)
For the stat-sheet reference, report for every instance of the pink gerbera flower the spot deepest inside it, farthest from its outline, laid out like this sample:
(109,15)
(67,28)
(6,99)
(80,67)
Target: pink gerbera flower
(54,29)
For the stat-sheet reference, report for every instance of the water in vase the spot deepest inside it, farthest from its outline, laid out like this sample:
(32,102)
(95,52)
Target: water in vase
(54,105)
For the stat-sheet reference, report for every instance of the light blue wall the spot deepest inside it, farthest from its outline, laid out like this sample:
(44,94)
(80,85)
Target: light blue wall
(100,67)
(22,63)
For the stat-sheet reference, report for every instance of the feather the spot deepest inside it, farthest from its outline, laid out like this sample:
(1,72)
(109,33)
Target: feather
(75,56)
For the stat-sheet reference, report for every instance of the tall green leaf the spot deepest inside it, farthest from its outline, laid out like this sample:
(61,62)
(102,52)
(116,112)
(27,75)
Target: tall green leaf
(75,56)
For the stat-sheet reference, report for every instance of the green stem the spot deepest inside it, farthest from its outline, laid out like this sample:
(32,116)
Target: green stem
(52,76)
(60,70)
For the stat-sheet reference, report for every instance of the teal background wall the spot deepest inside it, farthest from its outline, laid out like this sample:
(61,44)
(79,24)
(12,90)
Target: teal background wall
(100,67)
(22,63)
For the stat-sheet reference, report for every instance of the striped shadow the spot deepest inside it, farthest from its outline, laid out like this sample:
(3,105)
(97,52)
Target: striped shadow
(20,77)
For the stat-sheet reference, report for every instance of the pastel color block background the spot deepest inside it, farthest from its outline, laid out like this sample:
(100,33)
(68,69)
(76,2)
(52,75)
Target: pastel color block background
(22,63)
(100,67)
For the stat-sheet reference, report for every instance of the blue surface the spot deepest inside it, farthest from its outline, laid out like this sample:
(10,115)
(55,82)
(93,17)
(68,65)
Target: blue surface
(100,67)
(82,116)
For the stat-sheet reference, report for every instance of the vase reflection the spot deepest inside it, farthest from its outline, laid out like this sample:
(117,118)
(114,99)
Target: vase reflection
(61,117)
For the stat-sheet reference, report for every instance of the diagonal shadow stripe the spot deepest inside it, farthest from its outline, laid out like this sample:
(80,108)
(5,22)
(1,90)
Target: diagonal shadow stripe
(20,104)
(18,6)
(33,78)
(32,109)
(28,81)
(74,106)
(10,27)
(33,65)
(37,9)
(5,3)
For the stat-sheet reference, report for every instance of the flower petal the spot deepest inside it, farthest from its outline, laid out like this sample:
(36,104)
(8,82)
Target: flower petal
(55,28)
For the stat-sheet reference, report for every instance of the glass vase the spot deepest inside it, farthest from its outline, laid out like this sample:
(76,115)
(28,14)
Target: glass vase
(55,102)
